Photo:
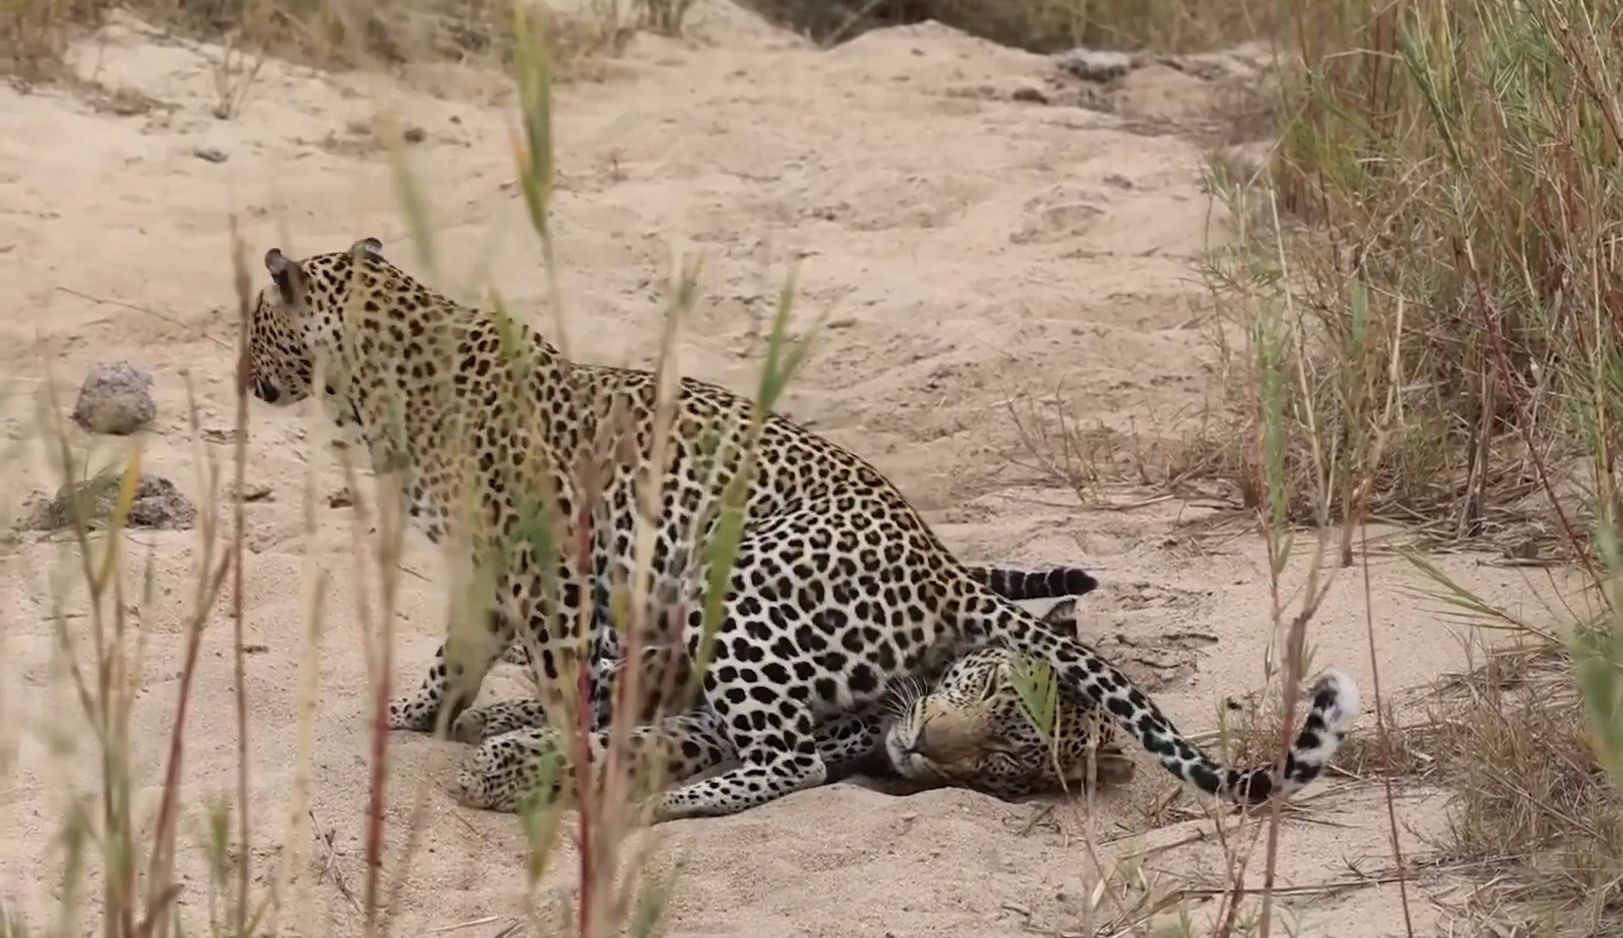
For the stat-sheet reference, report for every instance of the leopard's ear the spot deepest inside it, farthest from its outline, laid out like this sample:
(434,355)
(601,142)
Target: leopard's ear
(1062,613)
(367,247)
(284,273)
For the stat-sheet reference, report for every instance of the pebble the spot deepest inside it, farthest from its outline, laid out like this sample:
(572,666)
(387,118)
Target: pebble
(1098,65)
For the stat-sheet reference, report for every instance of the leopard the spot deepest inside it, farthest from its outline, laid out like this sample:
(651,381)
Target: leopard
(970,728)
(1010,582)
(555,478)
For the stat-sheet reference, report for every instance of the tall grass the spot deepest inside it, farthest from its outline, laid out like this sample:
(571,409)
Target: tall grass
(1426,331)
(1455,285)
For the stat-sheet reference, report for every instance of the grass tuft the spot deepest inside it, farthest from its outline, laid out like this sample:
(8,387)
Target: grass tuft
(1535,799)
(1446,174)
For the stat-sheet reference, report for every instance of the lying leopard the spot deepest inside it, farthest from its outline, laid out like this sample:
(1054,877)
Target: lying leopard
(970,728)
(838,589)
(964,727)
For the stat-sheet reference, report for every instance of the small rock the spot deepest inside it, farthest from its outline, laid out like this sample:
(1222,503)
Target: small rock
(1030,95)
(157,504)
(414,134)
(115,398)
(343,498)
(210,154)
(256,492)
(1098,65)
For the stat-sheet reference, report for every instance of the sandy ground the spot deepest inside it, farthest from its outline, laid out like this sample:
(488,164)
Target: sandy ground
(973,250)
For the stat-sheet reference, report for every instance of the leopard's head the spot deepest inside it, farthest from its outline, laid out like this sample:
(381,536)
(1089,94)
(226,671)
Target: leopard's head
(298,317)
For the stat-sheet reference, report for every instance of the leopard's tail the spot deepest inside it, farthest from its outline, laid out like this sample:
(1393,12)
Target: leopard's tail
(1333,703)
(1052,583)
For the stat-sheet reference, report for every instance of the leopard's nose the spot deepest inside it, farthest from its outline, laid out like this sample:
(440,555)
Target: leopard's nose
(929,740)
(948,736)
(267,391)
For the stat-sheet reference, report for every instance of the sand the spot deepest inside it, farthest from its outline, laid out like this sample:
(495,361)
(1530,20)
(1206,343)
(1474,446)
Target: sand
(979,255)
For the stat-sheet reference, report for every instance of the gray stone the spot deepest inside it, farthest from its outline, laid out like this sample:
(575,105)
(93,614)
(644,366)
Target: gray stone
(157,504)
(116,397)
(1099,65)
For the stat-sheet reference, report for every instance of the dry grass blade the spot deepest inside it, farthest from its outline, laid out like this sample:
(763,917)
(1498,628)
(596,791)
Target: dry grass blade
(329,862)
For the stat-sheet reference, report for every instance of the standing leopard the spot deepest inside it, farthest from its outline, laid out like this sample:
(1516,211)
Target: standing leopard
(838,589)
(1053,583)
(607,659)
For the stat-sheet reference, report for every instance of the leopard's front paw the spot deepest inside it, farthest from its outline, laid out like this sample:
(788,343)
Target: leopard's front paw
(411,713)
(503,770)
(470,726)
